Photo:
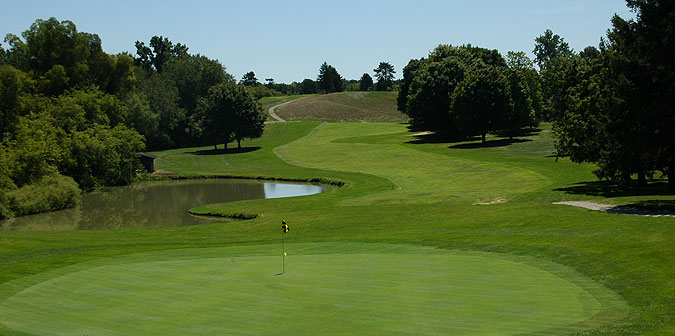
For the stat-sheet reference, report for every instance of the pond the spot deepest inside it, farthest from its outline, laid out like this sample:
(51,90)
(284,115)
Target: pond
(154,204)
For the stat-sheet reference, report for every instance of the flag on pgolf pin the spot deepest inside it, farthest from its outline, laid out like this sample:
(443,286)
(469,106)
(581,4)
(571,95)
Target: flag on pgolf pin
(284,229)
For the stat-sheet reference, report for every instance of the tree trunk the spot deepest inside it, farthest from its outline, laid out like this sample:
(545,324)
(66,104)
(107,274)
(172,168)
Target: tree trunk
(226,145)
(625,176)
(642,181)
(483,136)
(671,176)
(215,146)
(239,143)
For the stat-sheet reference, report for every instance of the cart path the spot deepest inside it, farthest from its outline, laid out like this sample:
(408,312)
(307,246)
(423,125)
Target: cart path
(274,115)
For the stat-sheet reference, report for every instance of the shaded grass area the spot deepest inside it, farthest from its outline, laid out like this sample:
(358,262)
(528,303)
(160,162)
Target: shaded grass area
(397,192)
(345,106)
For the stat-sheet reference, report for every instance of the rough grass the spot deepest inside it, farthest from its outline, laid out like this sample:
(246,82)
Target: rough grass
(408,190)
(344,106)
(268,102)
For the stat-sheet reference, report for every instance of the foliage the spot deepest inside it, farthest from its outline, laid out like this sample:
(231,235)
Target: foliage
(49,193)
(614,105)
(328,80)
(160,52)
(366,83)
(307,86)
(553,56)
(229,113)
(100,156)
(60,58)
(477,77)
(249,79)
(480,102)
(385,76)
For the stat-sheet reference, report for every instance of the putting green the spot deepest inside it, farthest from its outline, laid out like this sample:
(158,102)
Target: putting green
(328,288)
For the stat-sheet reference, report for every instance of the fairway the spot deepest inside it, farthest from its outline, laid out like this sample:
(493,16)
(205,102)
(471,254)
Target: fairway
(328,288)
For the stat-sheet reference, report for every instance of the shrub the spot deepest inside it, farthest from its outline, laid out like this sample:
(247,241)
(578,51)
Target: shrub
(52,192)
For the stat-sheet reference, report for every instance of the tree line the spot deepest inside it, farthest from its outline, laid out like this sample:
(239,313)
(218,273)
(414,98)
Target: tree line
(328,81)
(611,105)
(74,117)
(467,91)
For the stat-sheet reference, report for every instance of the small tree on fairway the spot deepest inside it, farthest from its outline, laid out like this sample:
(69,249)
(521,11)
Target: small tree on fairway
(385,76)
(366,82)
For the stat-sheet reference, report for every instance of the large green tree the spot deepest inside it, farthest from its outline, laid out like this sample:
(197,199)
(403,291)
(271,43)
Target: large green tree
(229,113)
(328,80)
(620,114)
(249,79)
(481,102)
(60,57)
(385,76)
(553,58)
(366,83)
(160,52)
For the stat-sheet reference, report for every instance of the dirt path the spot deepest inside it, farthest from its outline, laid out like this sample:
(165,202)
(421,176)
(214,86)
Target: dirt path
(616,209)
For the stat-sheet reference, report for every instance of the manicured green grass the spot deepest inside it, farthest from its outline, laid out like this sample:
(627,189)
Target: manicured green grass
(344,106)
(342,288)
(404,190)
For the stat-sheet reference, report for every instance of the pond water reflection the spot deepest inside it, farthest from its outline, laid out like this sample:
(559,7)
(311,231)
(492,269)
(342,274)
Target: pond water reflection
(154,203)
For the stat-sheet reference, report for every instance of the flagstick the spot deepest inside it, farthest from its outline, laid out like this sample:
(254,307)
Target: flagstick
(283,253)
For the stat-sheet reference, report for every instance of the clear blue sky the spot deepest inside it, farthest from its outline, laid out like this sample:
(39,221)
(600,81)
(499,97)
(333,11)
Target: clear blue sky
(288,40)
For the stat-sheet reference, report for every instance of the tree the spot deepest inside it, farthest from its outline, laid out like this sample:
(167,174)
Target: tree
(249,118)
(328,80)
(408,75)
(160,52)
(193,76)
(529,79)
(249,79)
(13,82)
(366,83)
(621,114)
(385,76)
(481,102)
(553,56)
(548,47)
(229,112)
(59,57)
(307,86)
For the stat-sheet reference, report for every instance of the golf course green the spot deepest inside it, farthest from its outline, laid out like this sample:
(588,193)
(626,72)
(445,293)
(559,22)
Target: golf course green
(327,288)
(423,237)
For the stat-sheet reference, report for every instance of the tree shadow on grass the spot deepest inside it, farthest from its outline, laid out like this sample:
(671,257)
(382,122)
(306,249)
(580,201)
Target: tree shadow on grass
(652,206)
(226,151)
(614,189)
(489,143)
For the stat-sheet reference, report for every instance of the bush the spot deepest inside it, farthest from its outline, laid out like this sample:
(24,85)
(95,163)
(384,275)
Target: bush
(52,192)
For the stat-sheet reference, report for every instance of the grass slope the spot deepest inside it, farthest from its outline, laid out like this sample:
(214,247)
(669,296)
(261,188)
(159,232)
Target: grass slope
(267,102)
(344,106)
(404,190)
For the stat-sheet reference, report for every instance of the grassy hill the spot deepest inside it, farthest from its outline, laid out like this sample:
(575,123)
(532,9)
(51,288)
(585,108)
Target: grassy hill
(344,106)
(479,210)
